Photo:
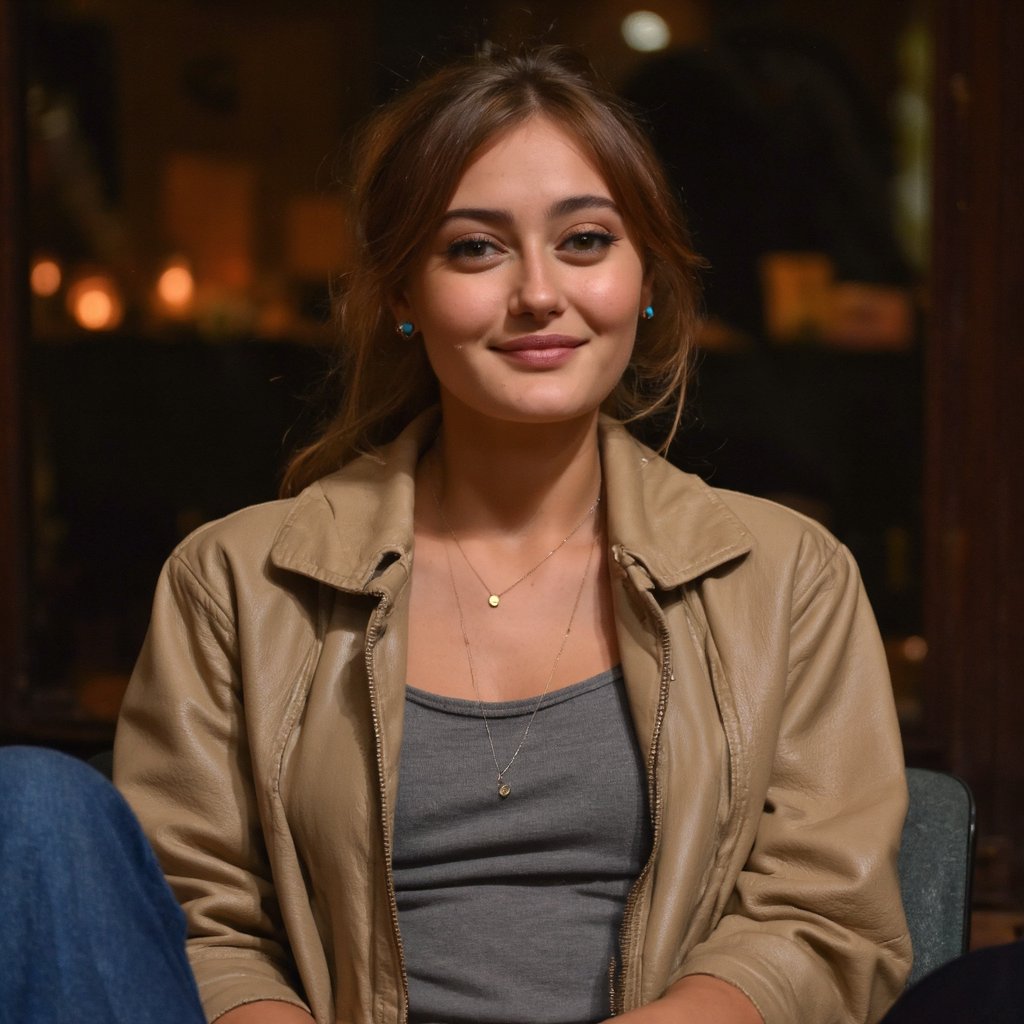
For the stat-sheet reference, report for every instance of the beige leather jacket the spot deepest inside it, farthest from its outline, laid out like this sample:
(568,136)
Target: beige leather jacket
(259,744)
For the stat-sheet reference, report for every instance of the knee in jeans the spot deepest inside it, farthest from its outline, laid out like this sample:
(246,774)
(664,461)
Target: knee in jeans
(43,790)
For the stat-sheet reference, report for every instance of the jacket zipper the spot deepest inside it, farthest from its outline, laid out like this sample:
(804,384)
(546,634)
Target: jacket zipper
(373,634)
(617,992)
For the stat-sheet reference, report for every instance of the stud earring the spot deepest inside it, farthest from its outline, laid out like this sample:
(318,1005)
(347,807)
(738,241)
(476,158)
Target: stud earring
(648,313)
(405,329)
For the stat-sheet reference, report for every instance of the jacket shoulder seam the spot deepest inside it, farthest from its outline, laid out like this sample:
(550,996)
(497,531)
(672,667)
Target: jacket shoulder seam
(834,549)
(195,582)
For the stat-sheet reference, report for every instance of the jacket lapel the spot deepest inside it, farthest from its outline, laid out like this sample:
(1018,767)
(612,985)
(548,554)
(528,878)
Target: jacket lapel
(670,521)
(354,528)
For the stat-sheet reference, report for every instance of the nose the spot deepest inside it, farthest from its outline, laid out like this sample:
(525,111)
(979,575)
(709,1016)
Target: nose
(538,290)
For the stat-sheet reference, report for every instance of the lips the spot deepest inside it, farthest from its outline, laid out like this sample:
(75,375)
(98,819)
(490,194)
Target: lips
(540,343)
(536,352)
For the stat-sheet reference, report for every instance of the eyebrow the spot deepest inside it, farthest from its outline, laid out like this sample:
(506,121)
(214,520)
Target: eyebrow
(561,208)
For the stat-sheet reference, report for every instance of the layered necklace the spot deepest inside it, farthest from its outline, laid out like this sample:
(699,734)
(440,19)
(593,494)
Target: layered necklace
(494,596)
(504,787)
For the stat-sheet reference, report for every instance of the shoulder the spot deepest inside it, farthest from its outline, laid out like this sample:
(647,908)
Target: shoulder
(799,553)
(777,528)
(226,564)
(248,533)
(683,529)
(339,531)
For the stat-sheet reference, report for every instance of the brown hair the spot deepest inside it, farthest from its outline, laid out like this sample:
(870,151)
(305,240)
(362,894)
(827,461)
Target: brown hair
(408,161)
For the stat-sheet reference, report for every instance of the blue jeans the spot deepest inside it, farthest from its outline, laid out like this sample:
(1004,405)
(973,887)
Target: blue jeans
(89,932)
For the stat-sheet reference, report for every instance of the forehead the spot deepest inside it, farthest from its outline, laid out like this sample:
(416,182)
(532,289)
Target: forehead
(534,161)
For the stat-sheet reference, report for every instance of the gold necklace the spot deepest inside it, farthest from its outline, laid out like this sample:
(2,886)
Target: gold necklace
(504,788)
(494,596)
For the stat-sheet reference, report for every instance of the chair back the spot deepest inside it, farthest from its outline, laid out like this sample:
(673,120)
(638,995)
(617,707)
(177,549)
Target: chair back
(935,863)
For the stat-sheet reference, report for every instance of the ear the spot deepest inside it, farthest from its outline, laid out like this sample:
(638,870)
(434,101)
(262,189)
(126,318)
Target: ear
(647,290)
(400,303)
(400,308)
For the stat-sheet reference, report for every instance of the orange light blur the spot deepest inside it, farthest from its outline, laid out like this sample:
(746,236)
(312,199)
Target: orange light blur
(45,277)
(915,648)
(176,287)
(95,303)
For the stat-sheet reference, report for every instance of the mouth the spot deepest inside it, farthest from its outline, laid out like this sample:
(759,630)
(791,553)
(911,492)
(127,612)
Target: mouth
(540,343)
(539,352)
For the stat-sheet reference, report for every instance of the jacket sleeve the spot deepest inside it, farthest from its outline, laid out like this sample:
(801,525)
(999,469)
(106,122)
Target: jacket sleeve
(182,761)
(814,928)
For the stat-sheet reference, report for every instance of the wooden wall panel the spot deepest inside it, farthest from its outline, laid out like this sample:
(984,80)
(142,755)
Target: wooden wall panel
(13,327)
(974,498)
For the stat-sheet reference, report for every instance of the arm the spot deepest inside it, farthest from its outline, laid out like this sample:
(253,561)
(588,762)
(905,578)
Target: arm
(696,999)
(812,927)
(182,760)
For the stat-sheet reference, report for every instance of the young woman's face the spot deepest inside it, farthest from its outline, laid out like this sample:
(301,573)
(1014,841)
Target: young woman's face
(528,297)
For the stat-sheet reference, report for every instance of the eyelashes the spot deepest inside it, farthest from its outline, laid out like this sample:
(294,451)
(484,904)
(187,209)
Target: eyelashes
(587,245)
(589,241)
(473,248)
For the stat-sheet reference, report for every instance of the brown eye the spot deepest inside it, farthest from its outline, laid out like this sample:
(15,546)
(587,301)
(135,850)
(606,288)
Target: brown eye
(589,242)
(471,249)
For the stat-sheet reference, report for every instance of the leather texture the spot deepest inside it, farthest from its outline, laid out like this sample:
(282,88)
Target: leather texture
(259,744)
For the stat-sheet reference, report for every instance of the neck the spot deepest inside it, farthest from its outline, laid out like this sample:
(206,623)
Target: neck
(499,477)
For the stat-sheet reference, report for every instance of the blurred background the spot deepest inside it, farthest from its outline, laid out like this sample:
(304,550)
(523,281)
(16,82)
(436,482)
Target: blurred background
(172,227)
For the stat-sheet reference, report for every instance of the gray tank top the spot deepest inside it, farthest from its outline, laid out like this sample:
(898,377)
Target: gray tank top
(510,909)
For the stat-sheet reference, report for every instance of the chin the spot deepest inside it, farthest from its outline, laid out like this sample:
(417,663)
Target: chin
(542,415)
(549,404)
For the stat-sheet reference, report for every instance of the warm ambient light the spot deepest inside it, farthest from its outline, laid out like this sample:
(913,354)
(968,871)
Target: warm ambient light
(915,648)
(176,287)
(95,303)
(645,31)
(45,277)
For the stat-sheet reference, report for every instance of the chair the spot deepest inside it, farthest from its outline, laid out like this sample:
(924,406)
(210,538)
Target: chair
(935,862)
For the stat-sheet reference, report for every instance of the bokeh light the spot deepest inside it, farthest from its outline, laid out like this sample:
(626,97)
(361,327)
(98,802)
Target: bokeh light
(915,648)
(646,31)
(176,287)
(96,303)
(45,277)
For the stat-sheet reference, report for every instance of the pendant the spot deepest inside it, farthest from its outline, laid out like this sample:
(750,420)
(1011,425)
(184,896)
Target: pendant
(494,600)
(504,789)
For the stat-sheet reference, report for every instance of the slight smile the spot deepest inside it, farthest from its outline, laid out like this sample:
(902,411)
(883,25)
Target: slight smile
(540,351)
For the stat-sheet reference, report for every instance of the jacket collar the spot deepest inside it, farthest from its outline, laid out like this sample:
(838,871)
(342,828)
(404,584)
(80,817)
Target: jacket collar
(353,528)
(670,521)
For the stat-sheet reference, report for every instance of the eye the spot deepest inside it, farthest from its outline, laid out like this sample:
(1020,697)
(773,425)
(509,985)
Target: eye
(588,243)
(473,249)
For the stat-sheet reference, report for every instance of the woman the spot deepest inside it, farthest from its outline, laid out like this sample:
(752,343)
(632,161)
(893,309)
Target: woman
(506,719)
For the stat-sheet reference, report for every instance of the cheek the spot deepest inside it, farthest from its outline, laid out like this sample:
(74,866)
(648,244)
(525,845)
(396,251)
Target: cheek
(451,321)
(615,299)
(459,310)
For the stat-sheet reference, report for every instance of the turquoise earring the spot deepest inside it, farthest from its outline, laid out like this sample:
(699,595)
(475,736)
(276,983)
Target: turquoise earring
(648,313)
(405,329)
